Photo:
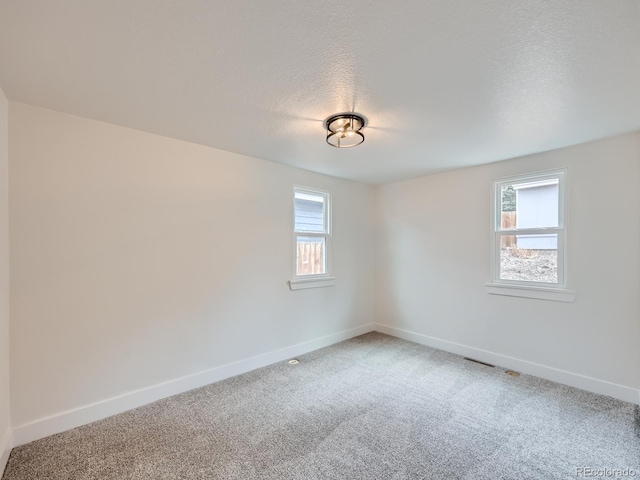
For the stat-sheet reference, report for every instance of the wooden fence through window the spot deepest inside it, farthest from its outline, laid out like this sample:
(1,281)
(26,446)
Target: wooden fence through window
(310,258)
(508,221)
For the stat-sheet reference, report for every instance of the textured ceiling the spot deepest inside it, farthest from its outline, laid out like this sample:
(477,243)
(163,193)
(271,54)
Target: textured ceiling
(444,84)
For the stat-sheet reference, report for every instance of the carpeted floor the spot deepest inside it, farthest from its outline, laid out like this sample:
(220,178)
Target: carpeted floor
(374,407)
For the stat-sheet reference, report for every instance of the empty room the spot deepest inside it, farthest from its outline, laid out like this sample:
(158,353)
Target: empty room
(306,240)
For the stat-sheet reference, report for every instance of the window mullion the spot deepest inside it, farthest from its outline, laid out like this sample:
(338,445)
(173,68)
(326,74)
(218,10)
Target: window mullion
(531,231)
(310,234)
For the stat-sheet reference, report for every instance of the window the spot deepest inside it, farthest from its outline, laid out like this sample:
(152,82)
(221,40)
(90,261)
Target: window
(529,235)
(312,238)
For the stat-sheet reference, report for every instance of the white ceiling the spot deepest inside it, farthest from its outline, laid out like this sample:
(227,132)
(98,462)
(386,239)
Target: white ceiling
(444,84)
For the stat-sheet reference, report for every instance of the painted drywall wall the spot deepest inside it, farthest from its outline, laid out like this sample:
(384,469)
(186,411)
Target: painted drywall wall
(5,423)
(138,259)
(433,248)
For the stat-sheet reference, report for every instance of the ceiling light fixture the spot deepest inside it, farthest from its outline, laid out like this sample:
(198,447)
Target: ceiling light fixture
(344,130)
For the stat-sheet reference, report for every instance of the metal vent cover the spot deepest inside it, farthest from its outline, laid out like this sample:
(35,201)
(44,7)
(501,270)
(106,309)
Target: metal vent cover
(480,362)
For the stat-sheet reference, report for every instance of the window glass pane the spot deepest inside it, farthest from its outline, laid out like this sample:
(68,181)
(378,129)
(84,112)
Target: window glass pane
(309,212)
(311,255)
(529,258)
(530,205)
(508,199)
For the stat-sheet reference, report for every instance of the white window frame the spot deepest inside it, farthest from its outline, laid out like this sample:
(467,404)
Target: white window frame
(529,289)
(300,282)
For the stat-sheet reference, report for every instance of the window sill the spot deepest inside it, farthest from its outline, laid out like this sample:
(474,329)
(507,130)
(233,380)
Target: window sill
(538,293)
(318,282)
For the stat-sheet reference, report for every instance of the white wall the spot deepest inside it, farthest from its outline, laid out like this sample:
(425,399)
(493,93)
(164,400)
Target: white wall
(137,259)
(433,258)
(4,284)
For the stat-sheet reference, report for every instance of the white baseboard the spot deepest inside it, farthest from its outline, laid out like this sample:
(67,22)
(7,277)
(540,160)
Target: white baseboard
(583,382)
(5,451)
(76,417)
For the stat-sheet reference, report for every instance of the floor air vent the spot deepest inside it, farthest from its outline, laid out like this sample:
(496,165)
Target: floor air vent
(478,361)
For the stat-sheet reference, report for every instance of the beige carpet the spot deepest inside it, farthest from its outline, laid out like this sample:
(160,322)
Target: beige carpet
(374,407)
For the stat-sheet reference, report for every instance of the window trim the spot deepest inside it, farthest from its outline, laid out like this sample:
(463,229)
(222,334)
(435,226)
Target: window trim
(520,288)
(300,282)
